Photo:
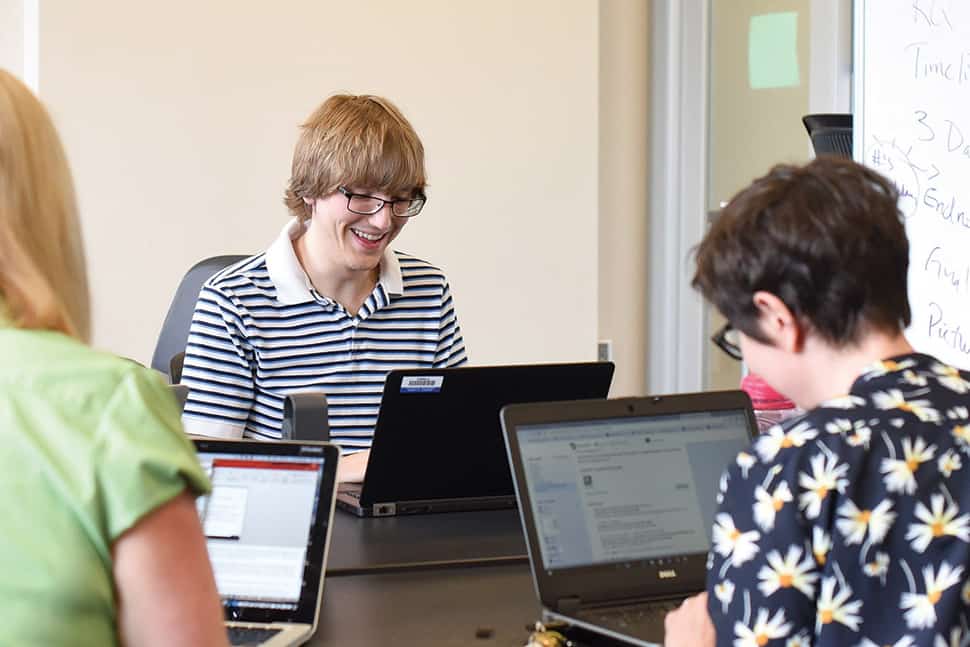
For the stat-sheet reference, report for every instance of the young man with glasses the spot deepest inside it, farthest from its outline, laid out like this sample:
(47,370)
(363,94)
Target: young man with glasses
(329,306)
(849,525)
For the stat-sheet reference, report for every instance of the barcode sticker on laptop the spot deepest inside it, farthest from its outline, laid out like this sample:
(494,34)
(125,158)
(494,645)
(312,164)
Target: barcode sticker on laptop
(422,383)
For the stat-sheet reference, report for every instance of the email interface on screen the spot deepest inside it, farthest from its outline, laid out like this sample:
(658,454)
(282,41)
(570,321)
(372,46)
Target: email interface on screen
(627,489)
(257,524)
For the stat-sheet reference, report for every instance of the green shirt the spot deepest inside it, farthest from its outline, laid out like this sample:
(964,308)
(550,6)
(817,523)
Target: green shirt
(91,443)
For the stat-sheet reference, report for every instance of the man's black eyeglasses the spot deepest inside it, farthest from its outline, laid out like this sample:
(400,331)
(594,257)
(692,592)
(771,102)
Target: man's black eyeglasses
(726,338)
(368,205)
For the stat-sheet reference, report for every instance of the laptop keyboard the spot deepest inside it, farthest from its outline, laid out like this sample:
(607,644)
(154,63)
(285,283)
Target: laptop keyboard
(644,620)
(250,635)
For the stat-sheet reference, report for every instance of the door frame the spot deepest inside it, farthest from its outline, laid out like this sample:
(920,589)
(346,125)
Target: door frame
(679,34)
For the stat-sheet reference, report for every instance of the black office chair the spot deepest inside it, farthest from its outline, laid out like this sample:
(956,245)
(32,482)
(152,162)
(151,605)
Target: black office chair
(831,134)
(170,348)
(304,413)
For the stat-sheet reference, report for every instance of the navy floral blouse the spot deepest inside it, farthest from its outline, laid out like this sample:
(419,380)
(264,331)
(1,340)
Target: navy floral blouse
(850,525)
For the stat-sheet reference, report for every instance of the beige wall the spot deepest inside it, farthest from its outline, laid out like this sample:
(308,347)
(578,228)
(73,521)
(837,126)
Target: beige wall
(623,165)
(179,119)
(12,36)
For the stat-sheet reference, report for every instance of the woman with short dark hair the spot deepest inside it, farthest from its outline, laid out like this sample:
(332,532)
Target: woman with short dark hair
(849,525)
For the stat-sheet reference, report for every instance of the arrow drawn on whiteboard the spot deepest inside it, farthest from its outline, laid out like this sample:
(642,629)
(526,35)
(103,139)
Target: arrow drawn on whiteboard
(936,171)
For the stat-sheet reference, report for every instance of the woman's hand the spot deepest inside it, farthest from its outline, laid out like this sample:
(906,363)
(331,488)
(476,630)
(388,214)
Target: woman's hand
(690,625)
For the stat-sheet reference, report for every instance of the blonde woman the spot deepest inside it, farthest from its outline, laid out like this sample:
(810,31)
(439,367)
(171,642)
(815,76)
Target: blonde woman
(100,542)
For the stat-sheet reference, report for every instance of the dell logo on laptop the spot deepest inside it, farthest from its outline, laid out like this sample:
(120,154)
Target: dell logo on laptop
(667,574)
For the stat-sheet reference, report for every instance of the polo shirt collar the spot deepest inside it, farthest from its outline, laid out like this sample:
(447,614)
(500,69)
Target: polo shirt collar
(293,285)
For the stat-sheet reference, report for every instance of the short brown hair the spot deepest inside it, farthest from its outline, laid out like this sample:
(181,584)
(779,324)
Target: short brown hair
(360,141)
(826,238)
(43,281)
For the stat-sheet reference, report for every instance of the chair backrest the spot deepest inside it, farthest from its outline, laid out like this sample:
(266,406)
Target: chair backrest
(831,134)
(175,331)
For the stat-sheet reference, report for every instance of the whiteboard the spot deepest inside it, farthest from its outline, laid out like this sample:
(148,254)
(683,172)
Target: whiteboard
(912,123)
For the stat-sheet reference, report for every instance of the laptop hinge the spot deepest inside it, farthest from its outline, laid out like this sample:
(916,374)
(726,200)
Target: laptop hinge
(384,509)
(568,606)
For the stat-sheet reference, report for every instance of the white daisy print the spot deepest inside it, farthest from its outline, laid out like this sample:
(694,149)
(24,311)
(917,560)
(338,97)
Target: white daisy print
(956,639)
(799,640)
(790,572)
(900,473)
(949,463)
(937,522)
(724,591)
(838,426)
(951,378)
(921,608)
(855,522)
(827,475)
(913,379)
(768,504)
(764,630)
(776,439)
(836,607)
(844,402)
(886,366)
(860,436)
(878,567)
(855,433)
(731,542)
(958,413)
(744,461)
(821,545)
(894,399)
(961,433)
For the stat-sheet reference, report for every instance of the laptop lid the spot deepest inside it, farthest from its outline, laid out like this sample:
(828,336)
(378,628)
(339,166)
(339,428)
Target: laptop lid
(617,497)
(267,525)
(438,434)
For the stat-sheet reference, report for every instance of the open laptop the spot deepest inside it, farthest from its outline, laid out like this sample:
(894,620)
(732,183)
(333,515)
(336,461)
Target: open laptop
(267,526)
(438,443)
(617,500)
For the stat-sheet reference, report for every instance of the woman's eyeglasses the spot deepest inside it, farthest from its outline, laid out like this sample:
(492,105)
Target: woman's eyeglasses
(728,340)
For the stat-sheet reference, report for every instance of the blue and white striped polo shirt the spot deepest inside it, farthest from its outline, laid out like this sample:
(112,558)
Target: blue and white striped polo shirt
(260,331)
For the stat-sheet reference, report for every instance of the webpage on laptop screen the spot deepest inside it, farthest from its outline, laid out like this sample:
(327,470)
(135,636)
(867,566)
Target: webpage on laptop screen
(257,524)
(627,488)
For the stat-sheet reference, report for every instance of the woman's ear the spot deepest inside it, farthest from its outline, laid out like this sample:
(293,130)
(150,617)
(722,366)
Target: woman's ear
(777,322)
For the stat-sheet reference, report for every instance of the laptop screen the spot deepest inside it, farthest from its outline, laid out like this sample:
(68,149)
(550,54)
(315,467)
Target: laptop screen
(259,523)
(625,489)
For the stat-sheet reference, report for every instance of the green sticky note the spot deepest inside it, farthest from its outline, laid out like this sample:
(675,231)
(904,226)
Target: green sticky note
(773,50)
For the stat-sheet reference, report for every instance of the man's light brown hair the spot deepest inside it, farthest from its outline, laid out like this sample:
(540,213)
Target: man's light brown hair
(361,142)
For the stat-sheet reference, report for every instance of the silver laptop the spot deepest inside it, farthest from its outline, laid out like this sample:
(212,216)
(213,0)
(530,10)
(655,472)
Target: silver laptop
(617,500)
(267,526)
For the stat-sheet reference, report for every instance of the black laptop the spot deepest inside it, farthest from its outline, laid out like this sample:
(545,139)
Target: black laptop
(438,442)
(617,500)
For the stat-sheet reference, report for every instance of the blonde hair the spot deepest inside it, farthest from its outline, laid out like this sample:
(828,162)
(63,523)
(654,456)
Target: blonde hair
(363,142)
(43,282)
